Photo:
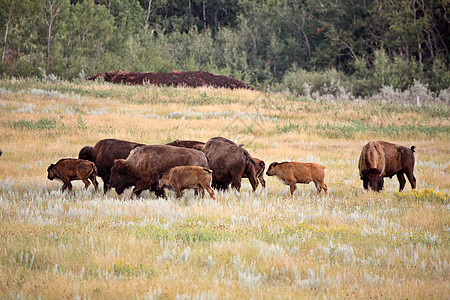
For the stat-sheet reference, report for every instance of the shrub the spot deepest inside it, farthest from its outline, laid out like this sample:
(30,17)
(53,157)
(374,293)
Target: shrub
(302,82)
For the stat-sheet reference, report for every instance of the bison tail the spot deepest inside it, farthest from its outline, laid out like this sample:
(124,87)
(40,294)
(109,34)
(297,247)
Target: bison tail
(95,169)
(412,148)
(207,170)
(249,157)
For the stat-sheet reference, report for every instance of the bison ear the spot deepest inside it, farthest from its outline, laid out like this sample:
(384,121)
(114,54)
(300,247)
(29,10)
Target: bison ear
(120,165)
(274,164)
(50,167)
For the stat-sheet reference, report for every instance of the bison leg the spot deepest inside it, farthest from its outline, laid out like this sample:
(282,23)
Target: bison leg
(86,183)
(136,191)
(106,185)
(325,188)
(411,178)
(159,193)
(177,192)
(236,183)
(320,186)
(94,181)
(139,187)
(64,187)
(261,179)
(253,180)
(292,188)
(201,191)
(401,180)
(210,191)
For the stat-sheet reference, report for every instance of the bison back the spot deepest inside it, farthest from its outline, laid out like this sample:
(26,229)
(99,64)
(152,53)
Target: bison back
(154,160)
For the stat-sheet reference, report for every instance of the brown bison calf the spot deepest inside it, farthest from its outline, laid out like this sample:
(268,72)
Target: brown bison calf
(382,159)
(68,169)
(188,177)
(297,172)
(259,170)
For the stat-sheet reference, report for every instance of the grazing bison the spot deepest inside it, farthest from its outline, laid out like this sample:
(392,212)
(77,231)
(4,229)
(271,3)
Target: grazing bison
(229,162)
(103,155)
(188,177)
(146,163)
(298,172)
(68,169)
(188,144)
(382,159)
(259,170)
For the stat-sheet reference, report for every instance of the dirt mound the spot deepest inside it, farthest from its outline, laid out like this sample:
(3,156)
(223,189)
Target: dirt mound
(184,79)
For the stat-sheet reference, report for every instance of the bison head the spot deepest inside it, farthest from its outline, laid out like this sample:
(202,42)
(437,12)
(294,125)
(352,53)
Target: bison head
(121,178)
(51,172)
(86,153)
(372,178)
(162,180)
(271,170)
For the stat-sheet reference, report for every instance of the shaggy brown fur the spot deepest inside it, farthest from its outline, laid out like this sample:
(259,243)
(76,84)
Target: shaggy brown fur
(145,163)
(259,170)
(229,162)
(381,159)
(68,169)
(103,155)
(298,172)
(188,144)
(188,177)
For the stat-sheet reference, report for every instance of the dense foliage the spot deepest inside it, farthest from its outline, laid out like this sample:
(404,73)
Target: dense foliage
(359,46)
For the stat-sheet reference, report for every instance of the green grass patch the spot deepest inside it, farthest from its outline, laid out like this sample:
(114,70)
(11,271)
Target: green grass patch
(42,123)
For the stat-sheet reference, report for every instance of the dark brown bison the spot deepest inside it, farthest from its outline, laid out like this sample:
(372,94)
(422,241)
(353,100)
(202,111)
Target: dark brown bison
(188,177)
(68,169)
(259,170)
(298,172)
(382,159)
(188,144)
(146,163)
(229,162)
(103,155)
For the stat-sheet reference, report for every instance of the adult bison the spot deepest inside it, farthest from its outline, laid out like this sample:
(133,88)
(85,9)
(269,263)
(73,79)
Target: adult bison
(382,159)
(103,155)
(188,144)
(229,162)
(144,164)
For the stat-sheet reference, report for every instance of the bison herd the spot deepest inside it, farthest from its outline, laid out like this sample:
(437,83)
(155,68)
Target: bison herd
(217,164)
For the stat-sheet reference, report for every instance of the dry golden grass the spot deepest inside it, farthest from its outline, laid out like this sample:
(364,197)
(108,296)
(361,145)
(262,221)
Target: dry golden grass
(352,244)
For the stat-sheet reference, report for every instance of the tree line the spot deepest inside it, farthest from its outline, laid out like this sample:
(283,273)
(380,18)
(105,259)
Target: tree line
(363,45)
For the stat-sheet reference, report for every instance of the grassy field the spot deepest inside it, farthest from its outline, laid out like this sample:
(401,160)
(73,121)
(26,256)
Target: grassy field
(351,244)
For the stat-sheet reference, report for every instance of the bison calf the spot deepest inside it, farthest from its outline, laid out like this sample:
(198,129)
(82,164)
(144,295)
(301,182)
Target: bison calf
(381,159)
(259,170)
(185,177)
(297,172)
(68,169)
